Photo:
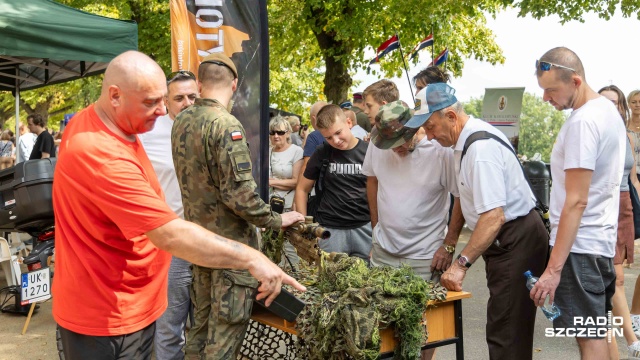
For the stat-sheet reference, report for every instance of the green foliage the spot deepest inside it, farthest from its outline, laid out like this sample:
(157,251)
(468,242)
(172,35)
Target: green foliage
(539,124)
(575,9)
(335,34)
(347,303)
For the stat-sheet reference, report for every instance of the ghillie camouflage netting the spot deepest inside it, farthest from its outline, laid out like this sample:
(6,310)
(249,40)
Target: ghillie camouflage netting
(348,303)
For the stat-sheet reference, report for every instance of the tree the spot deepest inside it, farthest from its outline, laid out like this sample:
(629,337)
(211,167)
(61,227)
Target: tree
(336,33)
(539,124)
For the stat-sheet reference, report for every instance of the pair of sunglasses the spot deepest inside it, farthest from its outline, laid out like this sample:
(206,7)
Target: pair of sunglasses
(279,132)
(546,66)
(180,75)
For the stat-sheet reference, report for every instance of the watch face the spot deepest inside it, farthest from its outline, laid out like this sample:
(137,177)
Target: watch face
(450,249)
(462,261)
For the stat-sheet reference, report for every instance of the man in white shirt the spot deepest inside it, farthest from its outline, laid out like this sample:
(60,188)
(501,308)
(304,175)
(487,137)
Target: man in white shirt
(498,206)
(411,205)
(182,91)
(586,165)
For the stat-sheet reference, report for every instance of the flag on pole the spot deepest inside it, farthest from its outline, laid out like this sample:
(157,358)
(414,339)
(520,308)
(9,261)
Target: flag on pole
(386,47)
(428,41)
(444,55)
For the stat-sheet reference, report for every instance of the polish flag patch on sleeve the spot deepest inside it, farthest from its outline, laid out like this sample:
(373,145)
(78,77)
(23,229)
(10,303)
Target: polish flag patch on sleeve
(236,135)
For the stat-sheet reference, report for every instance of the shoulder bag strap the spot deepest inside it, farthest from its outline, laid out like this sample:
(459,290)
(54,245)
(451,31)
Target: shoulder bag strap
(484,135)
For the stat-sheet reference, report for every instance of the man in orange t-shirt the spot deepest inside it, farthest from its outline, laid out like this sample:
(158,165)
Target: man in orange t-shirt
(114,230)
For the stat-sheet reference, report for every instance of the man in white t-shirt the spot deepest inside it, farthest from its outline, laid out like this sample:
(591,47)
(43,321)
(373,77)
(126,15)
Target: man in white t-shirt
(182,91)
(498,206)
(586,165)
(411,205)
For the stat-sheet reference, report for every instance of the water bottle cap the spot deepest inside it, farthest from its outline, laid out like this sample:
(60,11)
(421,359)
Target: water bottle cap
(527,273)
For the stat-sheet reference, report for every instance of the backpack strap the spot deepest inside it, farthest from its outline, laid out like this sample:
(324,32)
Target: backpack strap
(326,159)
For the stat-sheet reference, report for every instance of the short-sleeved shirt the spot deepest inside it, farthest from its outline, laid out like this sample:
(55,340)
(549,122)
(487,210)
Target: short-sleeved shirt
(281,167)
(344,202)
(44,144)
(213,164)
(593,138)
(413,203)
(314,139)
(110,279)
(490,176)
(157,145)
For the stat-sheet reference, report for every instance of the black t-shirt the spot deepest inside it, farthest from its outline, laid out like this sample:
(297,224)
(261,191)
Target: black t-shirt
(44,143)
(344,202)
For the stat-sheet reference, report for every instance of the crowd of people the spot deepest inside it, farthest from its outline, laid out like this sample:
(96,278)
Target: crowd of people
(157,209)
(34,142)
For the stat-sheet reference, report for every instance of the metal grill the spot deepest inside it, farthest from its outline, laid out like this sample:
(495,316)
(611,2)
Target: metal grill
(265,342)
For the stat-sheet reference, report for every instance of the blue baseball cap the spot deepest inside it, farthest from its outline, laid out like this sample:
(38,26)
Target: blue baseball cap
(434,97)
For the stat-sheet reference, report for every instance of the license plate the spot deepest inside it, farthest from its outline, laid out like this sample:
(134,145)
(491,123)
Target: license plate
(36,286)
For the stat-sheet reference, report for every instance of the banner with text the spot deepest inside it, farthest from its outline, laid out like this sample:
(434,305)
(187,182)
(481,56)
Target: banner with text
(238,29)
(501,108)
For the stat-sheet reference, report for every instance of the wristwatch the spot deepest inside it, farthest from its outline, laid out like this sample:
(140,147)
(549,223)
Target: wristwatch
(464,261)
(449,248)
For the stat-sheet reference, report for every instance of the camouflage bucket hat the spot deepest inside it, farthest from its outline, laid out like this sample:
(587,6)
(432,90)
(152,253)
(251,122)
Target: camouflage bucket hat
(390,131)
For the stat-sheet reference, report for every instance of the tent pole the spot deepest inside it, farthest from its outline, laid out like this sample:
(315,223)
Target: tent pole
(17,133)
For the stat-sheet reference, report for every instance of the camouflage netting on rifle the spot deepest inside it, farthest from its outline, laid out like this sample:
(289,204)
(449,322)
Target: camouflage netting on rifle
(348,302)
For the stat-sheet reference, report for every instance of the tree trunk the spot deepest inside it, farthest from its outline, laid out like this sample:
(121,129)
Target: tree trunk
(337,80)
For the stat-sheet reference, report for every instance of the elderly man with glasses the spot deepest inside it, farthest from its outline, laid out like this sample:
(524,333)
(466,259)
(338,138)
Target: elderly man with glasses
(499,207)
(182,91)
(587,164)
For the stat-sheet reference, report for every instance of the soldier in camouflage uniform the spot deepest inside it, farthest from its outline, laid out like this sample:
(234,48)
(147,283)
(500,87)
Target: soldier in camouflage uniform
(213,164)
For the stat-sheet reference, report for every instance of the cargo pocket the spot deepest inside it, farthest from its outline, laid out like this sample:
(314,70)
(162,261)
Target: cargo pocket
(237,296)
(590,276)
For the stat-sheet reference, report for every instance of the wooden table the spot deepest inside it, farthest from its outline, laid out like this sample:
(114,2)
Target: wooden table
(444,323)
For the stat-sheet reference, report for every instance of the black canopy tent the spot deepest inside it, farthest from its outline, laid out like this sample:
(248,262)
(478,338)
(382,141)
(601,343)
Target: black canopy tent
(43,43)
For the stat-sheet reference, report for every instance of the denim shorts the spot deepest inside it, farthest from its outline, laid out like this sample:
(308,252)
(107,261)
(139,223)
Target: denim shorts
(583,296)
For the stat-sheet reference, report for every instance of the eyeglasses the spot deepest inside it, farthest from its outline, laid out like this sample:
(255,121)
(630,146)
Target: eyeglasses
(180,75)
(546,66)
(279,132)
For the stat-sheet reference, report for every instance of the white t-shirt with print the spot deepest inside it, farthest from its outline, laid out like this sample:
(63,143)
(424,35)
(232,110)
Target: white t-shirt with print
(413,197)
(593,138)
(490,176)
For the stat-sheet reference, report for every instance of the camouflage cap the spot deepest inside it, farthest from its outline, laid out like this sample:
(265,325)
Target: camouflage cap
(390,131)
(222,60)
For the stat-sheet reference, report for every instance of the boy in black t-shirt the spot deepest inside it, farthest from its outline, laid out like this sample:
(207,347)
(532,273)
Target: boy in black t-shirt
(343,208)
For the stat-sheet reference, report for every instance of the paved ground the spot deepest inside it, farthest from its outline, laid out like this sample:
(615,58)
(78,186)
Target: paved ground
(39,341)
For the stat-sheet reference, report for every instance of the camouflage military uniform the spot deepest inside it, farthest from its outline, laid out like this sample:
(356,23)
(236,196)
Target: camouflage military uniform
(213,165)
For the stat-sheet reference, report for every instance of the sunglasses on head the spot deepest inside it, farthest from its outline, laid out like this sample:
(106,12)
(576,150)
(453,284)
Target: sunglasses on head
(279,132)
(546,66)
(180,75)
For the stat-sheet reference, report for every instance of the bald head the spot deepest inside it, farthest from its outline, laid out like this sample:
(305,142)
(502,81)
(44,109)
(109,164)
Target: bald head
(313,112)
(130,70)
(133,92)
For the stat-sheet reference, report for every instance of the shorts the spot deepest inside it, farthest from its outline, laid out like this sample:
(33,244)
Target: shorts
(583,296)
(353,242)
(381,257)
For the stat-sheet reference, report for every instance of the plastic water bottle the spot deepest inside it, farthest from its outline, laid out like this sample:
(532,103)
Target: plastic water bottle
(551,311)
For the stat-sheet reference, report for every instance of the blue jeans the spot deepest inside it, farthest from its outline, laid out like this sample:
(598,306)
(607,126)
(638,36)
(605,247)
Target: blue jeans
(170,327)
